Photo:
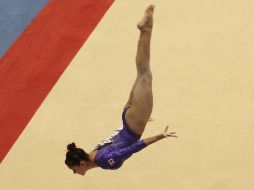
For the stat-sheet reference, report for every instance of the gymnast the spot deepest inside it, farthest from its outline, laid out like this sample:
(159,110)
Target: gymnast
(112,152)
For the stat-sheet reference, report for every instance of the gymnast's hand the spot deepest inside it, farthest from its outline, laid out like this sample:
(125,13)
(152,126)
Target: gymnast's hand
(167,134)
(164,134)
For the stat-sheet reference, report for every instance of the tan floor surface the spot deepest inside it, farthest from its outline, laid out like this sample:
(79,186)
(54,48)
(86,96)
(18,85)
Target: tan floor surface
(202,63)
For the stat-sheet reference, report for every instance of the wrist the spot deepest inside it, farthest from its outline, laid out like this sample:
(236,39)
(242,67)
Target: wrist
(160,136)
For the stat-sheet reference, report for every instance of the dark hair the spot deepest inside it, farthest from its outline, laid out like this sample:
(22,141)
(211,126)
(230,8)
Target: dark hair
(75,155)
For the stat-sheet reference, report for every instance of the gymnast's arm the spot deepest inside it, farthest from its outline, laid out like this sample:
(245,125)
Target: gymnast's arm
(125,152)
(136,147)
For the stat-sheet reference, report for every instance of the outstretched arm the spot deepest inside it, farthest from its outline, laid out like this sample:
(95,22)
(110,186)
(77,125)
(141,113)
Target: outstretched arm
(164,134)
(124,153)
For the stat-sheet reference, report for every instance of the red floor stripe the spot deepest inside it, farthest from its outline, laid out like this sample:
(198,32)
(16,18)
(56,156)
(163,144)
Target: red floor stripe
(31,67)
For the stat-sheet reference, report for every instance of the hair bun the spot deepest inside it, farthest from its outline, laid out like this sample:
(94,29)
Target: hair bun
(71,147)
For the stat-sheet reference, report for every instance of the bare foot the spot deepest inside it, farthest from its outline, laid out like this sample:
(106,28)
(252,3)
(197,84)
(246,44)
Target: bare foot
(146,24)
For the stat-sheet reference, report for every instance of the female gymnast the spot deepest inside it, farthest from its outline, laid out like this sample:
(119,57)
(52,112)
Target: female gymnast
(112,152)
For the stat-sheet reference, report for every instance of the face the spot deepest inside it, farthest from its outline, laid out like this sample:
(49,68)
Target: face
(81,169)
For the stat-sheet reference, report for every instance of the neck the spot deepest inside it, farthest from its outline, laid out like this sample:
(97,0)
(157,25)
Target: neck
(92,157)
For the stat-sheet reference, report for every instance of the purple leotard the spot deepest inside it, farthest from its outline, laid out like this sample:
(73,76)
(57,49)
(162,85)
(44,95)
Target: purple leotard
(118,147)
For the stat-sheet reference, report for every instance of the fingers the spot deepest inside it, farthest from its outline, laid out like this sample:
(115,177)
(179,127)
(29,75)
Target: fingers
(172,136)
(166,129)
(169,135)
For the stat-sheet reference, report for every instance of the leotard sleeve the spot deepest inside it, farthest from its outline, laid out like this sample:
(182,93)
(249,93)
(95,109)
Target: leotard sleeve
(114,159)
(126,152)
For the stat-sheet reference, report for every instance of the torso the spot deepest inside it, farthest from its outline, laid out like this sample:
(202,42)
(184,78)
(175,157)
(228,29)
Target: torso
(117,141)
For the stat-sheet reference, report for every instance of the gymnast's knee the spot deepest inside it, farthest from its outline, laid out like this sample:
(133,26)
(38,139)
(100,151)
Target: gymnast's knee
(147,77)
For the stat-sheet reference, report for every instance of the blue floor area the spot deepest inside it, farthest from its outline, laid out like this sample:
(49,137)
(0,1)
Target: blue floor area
(15,16)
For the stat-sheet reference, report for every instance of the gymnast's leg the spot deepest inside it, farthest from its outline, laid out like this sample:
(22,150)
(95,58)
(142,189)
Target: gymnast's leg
(140,102)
